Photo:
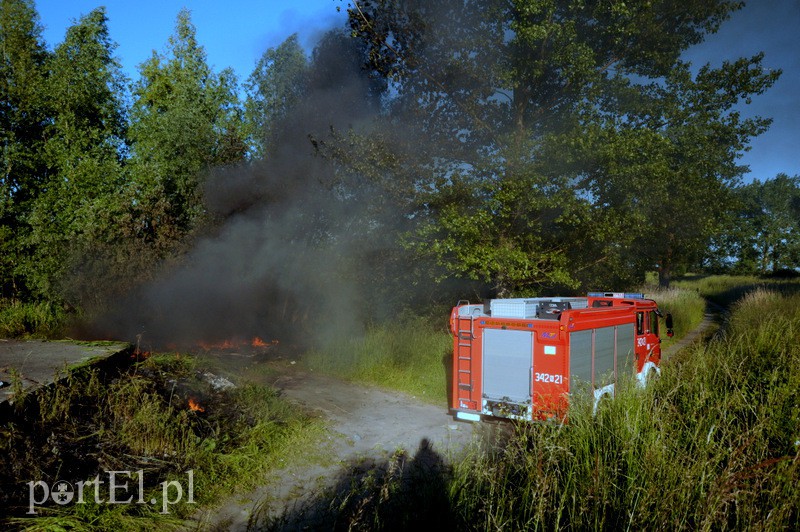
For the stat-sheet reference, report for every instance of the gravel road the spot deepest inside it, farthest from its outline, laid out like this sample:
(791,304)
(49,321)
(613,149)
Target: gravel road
(367,425)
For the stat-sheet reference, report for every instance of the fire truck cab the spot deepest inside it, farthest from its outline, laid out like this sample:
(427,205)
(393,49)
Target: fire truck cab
(523,358)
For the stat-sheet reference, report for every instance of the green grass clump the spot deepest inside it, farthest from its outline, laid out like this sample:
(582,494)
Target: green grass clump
(583,475)
(410,356)
(30,320)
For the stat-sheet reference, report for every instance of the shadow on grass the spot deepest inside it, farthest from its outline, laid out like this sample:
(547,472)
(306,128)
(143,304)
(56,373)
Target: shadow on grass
(401,493)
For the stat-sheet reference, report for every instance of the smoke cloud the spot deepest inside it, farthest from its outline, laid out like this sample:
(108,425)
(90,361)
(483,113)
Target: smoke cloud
(286,259)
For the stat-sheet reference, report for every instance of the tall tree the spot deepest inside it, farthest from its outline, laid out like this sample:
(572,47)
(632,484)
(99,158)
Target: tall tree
(23,118)
(274,89)
(76,208)
(185,120)
(766,234)
(668,165)
(535,107)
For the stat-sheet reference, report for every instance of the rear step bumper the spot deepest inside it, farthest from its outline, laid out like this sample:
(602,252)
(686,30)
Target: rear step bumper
(466,416)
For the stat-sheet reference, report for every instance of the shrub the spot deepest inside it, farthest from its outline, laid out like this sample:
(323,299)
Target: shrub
(39,320)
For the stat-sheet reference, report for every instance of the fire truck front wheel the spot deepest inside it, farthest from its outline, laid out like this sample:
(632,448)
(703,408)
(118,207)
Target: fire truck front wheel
(649,373)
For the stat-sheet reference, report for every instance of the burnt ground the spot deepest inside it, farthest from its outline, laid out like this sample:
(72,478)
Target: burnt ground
(369,428)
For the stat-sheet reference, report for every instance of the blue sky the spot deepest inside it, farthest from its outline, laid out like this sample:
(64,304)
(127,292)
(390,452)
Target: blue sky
(770,26)
(236,32)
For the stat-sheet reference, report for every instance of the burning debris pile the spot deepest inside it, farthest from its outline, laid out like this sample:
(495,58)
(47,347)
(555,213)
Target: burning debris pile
(254,346)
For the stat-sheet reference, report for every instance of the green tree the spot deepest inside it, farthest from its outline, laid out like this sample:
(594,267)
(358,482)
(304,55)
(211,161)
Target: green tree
(77,213)
(23,118)
(765,236)
(536,110)
(185,120)
(274,89)
(668,166)
(76,209)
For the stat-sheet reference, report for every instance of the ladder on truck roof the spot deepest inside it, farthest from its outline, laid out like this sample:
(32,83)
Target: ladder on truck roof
(465,327)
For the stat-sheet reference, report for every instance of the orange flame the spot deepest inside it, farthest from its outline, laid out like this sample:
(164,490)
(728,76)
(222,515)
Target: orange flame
(235,344)
(139,354)
(195,406)
(207,346)
(258,342)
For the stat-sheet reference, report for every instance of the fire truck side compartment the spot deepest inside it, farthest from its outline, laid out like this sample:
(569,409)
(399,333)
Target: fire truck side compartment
(507,358)
(580,358)
(612,348)
(626,365)
(603,356)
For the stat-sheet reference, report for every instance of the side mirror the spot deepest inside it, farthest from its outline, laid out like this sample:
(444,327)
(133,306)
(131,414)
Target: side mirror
(670,332)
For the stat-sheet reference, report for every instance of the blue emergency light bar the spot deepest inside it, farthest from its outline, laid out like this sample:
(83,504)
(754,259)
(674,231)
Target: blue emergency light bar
(617,295)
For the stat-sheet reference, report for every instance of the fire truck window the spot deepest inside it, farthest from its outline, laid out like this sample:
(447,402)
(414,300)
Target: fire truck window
(640,323)
(653,323)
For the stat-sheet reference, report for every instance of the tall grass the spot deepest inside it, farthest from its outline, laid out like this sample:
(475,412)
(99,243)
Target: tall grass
(30,320)
(410,355)
(687,308)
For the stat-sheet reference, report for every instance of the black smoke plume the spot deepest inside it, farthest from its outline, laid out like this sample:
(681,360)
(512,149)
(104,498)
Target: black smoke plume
(289,256)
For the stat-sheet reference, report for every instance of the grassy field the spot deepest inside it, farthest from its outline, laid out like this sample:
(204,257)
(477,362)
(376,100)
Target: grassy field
(142,420)
(728,289)
(712,445)
(411,356)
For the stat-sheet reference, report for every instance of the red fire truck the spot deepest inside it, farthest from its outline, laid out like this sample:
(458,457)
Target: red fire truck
(523,358)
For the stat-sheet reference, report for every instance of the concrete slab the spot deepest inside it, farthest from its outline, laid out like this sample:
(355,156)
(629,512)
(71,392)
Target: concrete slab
(39,363)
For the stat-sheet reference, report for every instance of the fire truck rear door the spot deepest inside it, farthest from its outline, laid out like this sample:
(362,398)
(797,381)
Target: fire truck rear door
(507,363)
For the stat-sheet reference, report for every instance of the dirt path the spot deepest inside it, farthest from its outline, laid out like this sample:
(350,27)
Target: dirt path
(711,319)
(367,424)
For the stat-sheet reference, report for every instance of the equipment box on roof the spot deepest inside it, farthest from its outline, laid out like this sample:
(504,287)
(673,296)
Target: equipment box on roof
(513,308)
(528,308)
